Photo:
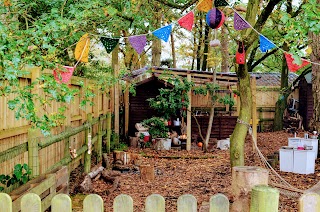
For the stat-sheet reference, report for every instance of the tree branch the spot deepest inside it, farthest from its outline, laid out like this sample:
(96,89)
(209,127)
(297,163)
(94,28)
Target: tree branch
(264,57)
(177,6)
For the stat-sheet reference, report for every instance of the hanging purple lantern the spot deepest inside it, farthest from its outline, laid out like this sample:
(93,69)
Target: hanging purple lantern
(215,18)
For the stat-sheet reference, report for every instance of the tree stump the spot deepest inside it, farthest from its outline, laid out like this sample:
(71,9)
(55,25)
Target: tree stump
(121,157)
(244,178)
(146,172)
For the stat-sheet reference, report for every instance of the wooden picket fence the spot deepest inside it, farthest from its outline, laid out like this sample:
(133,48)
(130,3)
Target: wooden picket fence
(309,202)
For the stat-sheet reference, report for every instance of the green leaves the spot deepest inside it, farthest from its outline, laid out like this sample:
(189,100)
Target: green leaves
(21,175)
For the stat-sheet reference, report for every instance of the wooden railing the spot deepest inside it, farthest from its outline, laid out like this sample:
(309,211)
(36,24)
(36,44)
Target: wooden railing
(309,202)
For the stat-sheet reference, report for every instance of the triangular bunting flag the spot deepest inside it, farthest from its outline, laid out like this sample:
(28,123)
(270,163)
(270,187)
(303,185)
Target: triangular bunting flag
(187,21)
(218,3)
(63,76)
(239,23)
(265,44)
(138,42)
(81,51)
(205,5)
(163,33)
(109,43)
(293,66)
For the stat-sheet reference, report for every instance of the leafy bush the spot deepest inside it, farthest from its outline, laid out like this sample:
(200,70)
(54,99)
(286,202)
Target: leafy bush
(21,174)
(157,128)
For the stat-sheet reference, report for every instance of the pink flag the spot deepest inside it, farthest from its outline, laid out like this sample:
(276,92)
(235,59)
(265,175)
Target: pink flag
(239,23)
(293,67)
(63,76)
(138,42)
(187,21)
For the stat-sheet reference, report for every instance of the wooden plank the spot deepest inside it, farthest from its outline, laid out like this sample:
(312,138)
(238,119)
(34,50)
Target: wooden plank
(14,131)
(13,152)
(46,202)
(189,122)
(61,203)
(219,202)
(187,203)
(30,202)
(93,203)
(155,203)
(6,203)
(123,203)
(45,185)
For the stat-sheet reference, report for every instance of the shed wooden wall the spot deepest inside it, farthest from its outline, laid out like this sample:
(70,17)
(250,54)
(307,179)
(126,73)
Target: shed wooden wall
(139,108)
(305,102)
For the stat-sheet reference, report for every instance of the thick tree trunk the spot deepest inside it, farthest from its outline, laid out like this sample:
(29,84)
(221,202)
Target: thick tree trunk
(156,52)
(205,49)
(224,50)
(281,104)
(240,131)
(199,45)
(174,59)
(315,57)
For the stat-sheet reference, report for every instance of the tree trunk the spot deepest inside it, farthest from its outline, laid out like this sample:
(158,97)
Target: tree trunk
(240,131)
(281,104)
(199,45)
(174,59)
(315,57)
(147,173)
(224,50)
(205,49)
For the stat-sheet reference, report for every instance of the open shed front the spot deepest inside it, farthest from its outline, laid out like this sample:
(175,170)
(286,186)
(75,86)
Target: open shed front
(148,85)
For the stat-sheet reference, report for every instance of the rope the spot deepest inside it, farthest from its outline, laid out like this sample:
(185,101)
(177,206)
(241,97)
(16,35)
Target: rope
(285,187)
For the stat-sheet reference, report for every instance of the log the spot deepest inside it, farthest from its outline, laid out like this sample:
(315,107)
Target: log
(105,161)
(244,178)
(112,177)
(121,157)
(95,172)
(146,172)
(86,185)
(134,142)
(264,199)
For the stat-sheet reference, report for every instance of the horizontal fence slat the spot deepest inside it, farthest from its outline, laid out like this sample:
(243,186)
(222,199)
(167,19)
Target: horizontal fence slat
(63,135)
(13,152)
(14,131)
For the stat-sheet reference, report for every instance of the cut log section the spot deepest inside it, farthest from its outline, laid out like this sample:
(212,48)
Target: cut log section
(146,172)
(244,178)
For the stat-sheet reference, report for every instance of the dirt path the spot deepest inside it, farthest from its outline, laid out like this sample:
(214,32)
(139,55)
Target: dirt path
(199,177)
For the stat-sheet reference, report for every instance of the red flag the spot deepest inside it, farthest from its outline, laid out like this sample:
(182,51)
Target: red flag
(187,21)
(63,76)
(291,65)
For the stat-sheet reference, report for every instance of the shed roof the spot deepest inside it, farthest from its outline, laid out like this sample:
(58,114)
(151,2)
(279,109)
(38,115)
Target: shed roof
(263,79)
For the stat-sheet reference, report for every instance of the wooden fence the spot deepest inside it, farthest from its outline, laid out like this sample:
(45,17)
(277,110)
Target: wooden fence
(20,144)
(309,202)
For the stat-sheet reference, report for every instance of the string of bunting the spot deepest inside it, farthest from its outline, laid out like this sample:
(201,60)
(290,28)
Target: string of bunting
(138,42)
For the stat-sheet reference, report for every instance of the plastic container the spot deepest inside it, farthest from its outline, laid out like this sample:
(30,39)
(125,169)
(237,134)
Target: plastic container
(295,142)
(286,160)
(303,162)
(313,143)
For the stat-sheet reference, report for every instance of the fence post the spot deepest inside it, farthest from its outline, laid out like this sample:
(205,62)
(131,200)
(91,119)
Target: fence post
(108,137)
(93,203)
(187,203)
(123,203)
(61,203)
(155,203)
(87,154)
(31,202)
(309,202)
(264,199)
(99,144)
(219,202)
(6,203)
(33,152)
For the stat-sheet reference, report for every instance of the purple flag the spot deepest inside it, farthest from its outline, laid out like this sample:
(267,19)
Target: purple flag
(265,44)
(239,23)
(138,42)
(163,33)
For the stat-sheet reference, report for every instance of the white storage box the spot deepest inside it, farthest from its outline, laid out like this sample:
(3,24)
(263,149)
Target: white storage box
(303,162)
(286,160)
(313,143)
(295,142)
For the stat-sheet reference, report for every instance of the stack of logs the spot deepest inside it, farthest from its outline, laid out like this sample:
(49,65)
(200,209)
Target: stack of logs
(122,161)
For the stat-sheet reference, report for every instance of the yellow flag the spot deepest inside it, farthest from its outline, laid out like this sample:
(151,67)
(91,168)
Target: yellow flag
(81,52)
(309,50)
(205,5)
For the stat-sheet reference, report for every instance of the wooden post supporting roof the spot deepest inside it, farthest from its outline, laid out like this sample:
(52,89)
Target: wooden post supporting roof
(189,116)
(126,109)
(116,103)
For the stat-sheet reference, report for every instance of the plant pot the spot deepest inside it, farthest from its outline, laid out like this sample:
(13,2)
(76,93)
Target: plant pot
(162,144)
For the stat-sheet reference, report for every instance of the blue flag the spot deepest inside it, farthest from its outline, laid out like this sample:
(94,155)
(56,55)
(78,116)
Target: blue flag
(163,33)
(265,44)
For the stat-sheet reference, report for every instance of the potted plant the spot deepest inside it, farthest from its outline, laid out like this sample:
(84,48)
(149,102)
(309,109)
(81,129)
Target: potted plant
(158,131)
